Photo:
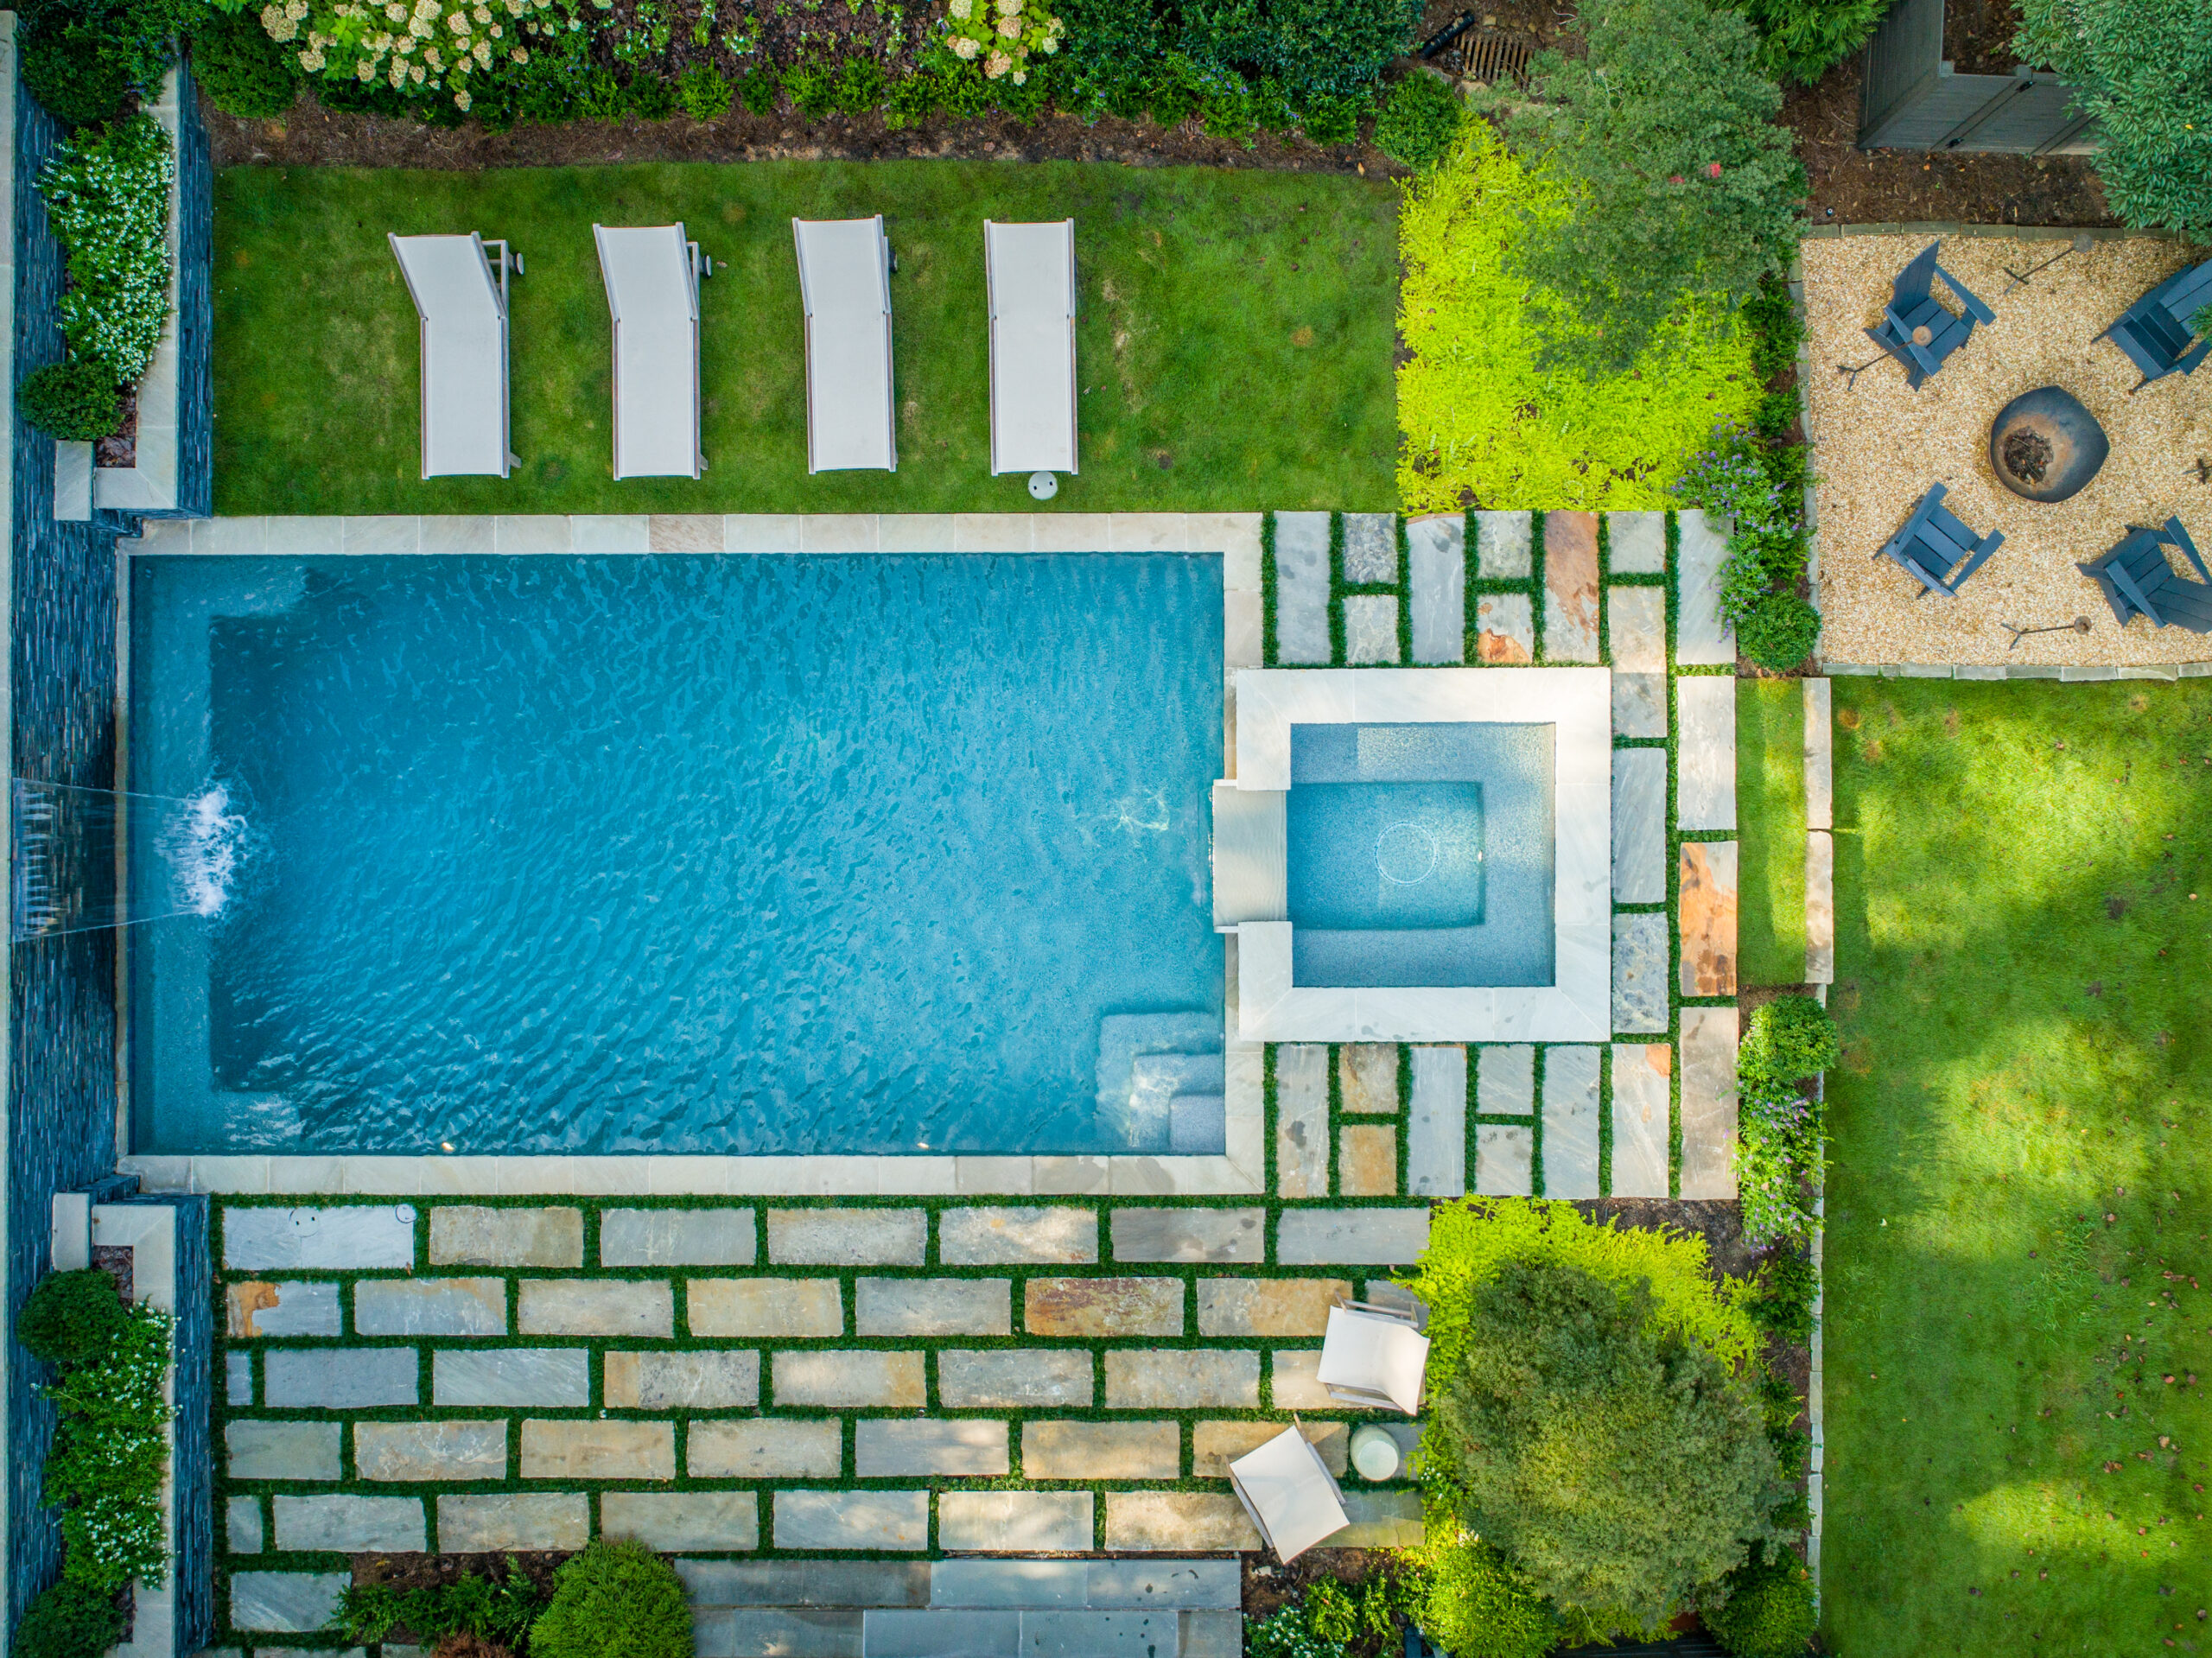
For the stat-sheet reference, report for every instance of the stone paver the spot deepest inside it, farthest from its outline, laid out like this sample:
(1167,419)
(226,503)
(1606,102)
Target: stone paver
(256,1450)
(764,1447)
(1268,1306)
(1820,907)
(1642,1082)
(1301,1120)
(1505,1081)
(470,1235)
(1354,1237)
(1708,1102)
(1007,1521)
(764,1306)
(1504,1157)
(843,1520)
(884,1449)
(1570,1122)
(1294,1382)
(569,1450)
(1700,639)
(1642,969)
(1367,1161)
(237,1378)
(338,1378)
(492,1376)
(451,1452)
(1214,1445)
(1570,586)
(1190,1233)
(430,1306)
(847,1237)
(1367,1078)
(1102,1451)
(1017,1379)
(836,1381)
(595,1306)
(1177,1522)
(286,1603)
(1636,635)
(1088,1307)
(1189,1585)
(1436,582)
(349,1524)
(1505,629)
(1639,826)
(1502,546)
(1820,756)
(471,1524)
(1302,588)
(701,1380)
(342,1237)
(1181,1379)
(672,1521)
(256,1307)
(676,1237)
(242,1528)
(1636,543)
(933,1307)
(1370,629)
(1061,1235)
(1371,549)
(1436,1125)
(1708,885)
(1705,757)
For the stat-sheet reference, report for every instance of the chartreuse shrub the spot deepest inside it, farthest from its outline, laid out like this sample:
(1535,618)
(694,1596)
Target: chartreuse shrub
(617,1599)
(1481,419)
(703,93)
(1479,1603)
(1768,1611)
(107,199)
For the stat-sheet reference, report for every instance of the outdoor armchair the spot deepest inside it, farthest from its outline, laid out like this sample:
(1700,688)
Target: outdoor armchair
(1287,1490)
(1374,1357)
(1936,549)
(1029,270)
(2136,577)
(461,298)
(2156,331)
(651,275)
(1913,306)
(844,281)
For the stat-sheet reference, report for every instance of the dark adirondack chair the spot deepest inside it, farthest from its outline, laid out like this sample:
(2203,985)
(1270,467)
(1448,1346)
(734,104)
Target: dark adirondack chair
(1936,549)
(2155,331)
(2135,578)
(1913,305)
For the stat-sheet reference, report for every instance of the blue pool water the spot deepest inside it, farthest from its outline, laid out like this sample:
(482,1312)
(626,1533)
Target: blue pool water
(677,854)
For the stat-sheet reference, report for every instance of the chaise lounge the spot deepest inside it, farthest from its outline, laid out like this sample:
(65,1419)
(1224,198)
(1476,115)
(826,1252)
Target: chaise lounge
(651,275)
(462,299)
(1030,273)
(844,281)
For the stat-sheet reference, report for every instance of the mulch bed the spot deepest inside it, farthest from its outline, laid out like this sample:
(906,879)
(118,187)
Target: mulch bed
(1270,1587)
(404,1572)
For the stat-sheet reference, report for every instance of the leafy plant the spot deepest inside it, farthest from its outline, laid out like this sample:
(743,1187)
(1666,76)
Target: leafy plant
(69,1620)
(1764,1608)
(1802,40)
(1002,36)
(497,1610)
(1315,48)
(1781,1300)
(72,75)
(1787,1039)
(75,400)
(1333,120)
(758,90)
(1288,1633)
(1759,490)
(703,92)
(1419,119)
(648,97)
(811,87)
(911,100)
(1780,1135)
(1226,108)
(242,72)
(599,96)
(1779,631)
(859,86)
(617,1599)
(1176,88)
(71,1317)
(1479,1603)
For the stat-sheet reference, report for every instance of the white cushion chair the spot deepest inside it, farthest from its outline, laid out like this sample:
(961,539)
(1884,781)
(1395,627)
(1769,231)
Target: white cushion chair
(1374,1357)
(1030,272)
(651,275)
(1287,1490)
(844,283)
(461,298)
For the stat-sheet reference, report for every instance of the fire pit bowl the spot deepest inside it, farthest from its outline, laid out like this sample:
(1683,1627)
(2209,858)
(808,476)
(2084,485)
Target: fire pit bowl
(2044,446)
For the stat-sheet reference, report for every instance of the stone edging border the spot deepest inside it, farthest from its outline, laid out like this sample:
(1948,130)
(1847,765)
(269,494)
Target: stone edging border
(1820,973)
(2068,673)
(2002,233)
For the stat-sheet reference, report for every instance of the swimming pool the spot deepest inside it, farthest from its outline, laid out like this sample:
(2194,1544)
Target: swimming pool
(739,854)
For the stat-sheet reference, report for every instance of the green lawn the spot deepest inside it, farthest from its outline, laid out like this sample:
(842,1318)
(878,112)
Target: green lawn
(2022,1188)
(1234,346)
(1771,831)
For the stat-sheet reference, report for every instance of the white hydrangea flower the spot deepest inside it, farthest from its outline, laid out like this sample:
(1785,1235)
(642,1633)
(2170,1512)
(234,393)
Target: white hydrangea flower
(417,73)
(996,65)
(312,61)
(460,101)
(962,10)
(962,47)
(484,53)
(498,32)
(1009,27)
(1051,43)
(518,56)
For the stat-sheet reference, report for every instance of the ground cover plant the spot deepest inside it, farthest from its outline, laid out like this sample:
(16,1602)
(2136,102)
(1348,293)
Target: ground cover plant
(1230,350)
(1484,421)
(2017,1327)
(1771,831)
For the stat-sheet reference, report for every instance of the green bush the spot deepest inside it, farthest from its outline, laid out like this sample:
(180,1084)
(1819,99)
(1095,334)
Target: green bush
(703,92)
(73,75)
(616,1600)
(69,1621)
(1479,1604)
(757,90)
(1777,328)
(1419,119)
(1112,47)
(1334,120)
(1316,48)
(499,1612)
(599,96)
(648,97)
(1802,40)
(911,100)
(242,72)
(1767,1610)
(812,89)
(1782,1298)
(1227,108)
(1288,1633)
(75,400)
(1780,631)
(1177,89)
(858,88)
(963,91)
(1779,1148)
(1788,1039)
(71,1318)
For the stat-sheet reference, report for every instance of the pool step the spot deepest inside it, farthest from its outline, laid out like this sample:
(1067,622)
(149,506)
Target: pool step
(1161,1085)
(1251,858)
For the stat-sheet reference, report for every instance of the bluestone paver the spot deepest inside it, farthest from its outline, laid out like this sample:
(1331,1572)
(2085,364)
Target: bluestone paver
(1147,1235)
(1268,1306)
(746,1307)
(1636,635)
(1505,1081)
(676,1237)
(1177,1522)
(338,1378)
(1643,1085)
(1639,826)
(261,1450)
(1708,889)
(1701,639)
(1436,578)
(285,1603)
(495,1377)
(1367,1078)
(471,1235)
(595,1306)
(1008,1521)
(450,1451)
(1570,586)
(1502,546)
(339,1238)
(598,1450)
(1086,1451)
(244,1533)
(237,1378)
(1505,629)
(1436,1123)
(1017,1378)
(348,1525)
(1504,1158)
(430,1306)
(1371,548)
(847,1237)
(1060,1233)
(710,1378)
(933,1307)
(1214,1445)
(671,1521)
(1708,1102)
(1166,1378)
(258,1307)
(848,1520)
(1370,629)
(1642,966)
(1636,543)
(832,1381)
(890,1448)
(1705,758)
(1820,756)
(1352,1236)
(1085,1307)
(1301,1120)
(1570,1122)
(1302,588)
(764,1447)
(1367,1161)
(513,1520)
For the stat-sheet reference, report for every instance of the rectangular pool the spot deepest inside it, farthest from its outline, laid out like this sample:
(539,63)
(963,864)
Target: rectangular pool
(742,855)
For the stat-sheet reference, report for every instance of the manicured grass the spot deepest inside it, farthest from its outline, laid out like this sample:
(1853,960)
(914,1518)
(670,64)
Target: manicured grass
(2022,1188)
(1234,344)
(1771,831)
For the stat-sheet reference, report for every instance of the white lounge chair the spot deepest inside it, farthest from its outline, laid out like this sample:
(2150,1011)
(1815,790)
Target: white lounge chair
(1290,1494)
(1374,1357)
(844,282)
(1030,271)
(652,292)
(462,300)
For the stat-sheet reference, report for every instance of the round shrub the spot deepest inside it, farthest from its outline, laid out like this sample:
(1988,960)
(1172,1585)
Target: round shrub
(1769,1611)
(71,1318)
(913,99)
(1780,631)
(757,90)
(1782,1302)
(617,1599)
(1419,121)
(648,97)
(72,76)
(858,88)
(242,72)
(704,95)
(70,1620)
(1787,1039)
(813,93)
(73,400)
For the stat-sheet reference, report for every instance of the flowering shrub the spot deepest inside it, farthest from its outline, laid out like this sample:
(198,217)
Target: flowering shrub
(1000,35)
(1780,1135)
(107,199)
(420,45)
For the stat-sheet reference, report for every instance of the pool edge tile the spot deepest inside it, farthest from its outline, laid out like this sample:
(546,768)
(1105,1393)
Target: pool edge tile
(838,532)
(916,1177)
(1070,532)
(978,1176)
(915,532)
(760,532)
(1151,532)
(611,532)
(992,532)
(1070,1176)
